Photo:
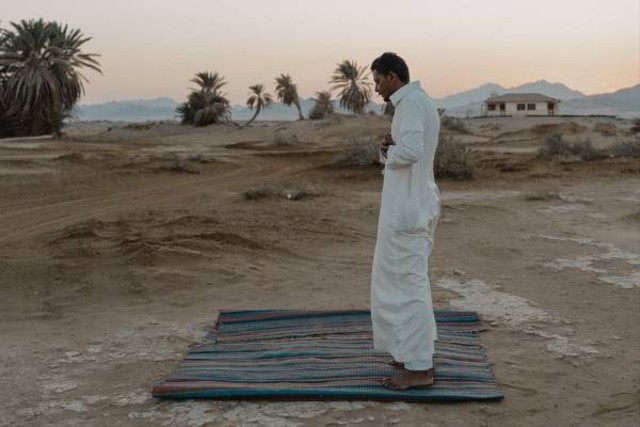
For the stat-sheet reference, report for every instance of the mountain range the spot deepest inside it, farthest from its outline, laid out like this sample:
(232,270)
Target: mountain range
(622,103)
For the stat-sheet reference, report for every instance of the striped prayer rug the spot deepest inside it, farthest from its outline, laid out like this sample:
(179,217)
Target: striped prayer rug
(323,355)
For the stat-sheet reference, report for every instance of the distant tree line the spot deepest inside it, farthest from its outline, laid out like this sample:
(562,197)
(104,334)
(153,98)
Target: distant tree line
(207,104)
(41,82)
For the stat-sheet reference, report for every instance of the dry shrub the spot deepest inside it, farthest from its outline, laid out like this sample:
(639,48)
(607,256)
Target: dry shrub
(542,196)
(490,127)
(635,127)
(176,164)
(286,192)
(605,129)
(630,148)
(557,128)
(359,154)
(555,148)
(633,217)
(200,158)
(71,157)
(453,124)
(138,126)
(452,160)
(283,139)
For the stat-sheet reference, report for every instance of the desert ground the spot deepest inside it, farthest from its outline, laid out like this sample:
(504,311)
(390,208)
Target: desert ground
(120,243)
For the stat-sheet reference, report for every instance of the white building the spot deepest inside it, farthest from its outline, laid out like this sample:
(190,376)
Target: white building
(521,104)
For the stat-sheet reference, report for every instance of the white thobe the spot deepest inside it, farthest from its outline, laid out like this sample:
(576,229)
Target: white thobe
(401,308)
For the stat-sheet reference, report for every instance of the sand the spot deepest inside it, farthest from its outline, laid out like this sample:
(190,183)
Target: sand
(119,244)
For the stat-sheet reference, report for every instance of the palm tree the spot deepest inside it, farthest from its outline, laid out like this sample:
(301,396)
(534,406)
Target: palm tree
(206,104)
(258,100)
(39,73)
(287,92)
(323,106)
(353,83)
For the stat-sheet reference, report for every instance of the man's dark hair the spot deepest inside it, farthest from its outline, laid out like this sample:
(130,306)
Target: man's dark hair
(388,63)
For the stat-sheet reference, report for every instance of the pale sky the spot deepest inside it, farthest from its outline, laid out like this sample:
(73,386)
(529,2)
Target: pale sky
(152,48)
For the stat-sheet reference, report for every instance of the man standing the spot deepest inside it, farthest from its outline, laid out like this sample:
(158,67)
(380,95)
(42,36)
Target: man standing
(401,308)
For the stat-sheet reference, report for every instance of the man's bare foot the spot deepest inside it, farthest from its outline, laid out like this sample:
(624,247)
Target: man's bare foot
(395,363)
(409,379)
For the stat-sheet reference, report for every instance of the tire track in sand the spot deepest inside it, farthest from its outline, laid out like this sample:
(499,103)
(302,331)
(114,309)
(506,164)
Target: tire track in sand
(24,223)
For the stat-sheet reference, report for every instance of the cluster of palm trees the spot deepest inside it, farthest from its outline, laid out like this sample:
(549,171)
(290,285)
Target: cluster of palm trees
(206,104)
(41,82)
(40,78)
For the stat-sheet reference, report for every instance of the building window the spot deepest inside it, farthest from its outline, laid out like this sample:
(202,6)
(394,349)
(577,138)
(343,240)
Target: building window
(520,107)
(531,106)
(491,107)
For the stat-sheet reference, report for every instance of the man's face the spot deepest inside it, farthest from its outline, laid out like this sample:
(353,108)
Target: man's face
(385,85)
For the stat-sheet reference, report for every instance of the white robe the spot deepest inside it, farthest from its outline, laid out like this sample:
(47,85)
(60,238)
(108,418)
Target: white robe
(401,308)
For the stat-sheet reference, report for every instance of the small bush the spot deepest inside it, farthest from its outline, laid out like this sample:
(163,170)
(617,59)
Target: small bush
(199,158)
(294,192)
(323,106)
(360,154)
(453,124)
(555,148)
(586,151)
(138,126)
(452,160)
(635,127)
(629,148)
(176,164)
(542,196)
(605,129)
(316,114)
(282,139)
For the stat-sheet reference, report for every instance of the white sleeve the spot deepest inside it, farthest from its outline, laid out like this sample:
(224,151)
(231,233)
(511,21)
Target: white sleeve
(409,148)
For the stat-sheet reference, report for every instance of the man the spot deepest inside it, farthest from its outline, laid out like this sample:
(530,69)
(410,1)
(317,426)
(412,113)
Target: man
(401,308)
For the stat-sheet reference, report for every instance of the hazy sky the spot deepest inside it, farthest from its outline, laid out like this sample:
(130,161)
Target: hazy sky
(152,48)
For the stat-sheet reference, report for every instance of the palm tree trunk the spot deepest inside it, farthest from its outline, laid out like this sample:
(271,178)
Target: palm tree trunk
(252,118)
(297,102)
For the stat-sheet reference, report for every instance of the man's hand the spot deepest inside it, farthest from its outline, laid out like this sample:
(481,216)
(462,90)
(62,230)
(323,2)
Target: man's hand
(386,142)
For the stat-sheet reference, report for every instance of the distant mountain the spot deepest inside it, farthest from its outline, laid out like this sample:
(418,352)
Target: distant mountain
(478,94)
(622,103)
(473,98)
(129,111)
(554,90)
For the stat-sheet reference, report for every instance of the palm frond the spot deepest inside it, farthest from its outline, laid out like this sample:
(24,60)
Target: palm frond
(353,86)
(40,65)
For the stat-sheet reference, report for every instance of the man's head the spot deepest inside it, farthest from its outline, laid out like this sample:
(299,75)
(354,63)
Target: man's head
(390,73)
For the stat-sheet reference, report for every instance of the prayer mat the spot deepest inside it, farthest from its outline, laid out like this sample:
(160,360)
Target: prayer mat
(323,355)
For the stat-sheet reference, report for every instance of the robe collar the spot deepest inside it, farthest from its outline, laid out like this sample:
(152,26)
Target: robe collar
(397,96)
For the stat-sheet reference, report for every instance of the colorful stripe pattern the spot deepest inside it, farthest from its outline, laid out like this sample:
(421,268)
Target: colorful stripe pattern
(323,355)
